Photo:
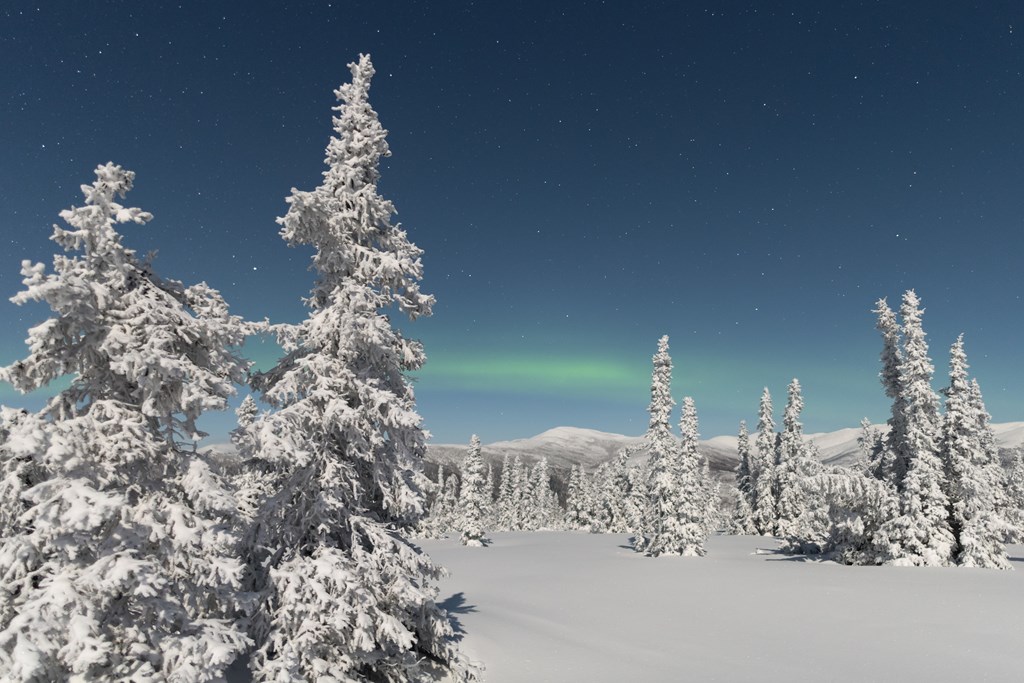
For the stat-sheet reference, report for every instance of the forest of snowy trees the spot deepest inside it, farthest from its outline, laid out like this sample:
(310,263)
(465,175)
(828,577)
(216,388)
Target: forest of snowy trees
(661,491)
(128,554)
(930,488)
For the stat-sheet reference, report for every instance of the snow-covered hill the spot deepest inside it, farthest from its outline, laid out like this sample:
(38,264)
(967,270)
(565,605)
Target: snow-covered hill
(567,446)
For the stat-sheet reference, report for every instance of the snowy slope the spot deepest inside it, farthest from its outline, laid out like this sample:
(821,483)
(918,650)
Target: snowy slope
(551,607)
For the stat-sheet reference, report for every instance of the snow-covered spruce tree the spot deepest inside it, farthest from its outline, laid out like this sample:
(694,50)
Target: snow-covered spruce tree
(662,447)
(921,534)
(122,564)
(661,406)
(794,464)
(253,482)
(679,502)
(519,484)
(448,519)
(430,525)
(743,514)
(616,492)
(473,501)
(888,459)
(600,513)
(996,473)
(490,484)
(546,512)
(1013,501)
(857,505)
(635,504)
(972,471)
(705,488)
(576,507)
(344,594)
(504,506)
(871,443)
(765,513)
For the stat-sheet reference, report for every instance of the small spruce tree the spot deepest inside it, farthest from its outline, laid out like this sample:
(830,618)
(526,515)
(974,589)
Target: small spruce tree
(743,514)
(473,501)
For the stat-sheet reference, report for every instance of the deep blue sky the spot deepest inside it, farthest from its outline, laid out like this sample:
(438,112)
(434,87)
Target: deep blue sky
(582,178)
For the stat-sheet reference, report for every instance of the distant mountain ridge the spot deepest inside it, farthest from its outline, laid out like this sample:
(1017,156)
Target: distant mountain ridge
(568,446)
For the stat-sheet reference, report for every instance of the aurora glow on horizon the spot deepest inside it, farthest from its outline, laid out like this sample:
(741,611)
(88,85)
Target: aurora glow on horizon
(582,178)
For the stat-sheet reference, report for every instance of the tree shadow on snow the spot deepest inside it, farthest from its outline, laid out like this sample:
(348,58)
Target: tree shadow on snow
(780,555)
(456,604)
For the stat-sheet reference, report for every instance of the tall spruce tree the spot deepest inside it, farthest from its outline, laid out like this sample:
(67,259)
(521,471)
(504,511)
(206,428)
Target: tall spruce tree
(888,460)
(765,513)
(972,471)
(664,454)
(743,514)
(120,562)
(344,594)
(679,504)
(921,534)
(794,464)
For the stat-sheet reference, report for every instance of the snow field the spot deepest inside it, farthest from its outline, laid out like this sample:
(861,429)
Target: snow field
(569,606)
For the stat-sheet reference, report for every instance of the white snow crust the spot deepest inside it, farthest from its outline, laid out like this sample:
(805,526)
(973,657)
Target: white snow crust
(570,606)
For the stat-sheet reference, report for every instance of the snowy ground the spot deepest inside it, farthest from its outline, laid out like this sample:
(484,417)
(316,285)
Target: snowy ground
(567,607)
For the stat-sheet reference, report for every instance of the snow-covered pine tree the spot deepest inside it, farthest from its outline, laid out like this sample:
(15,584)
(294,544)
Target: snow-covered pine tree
(662,447)
(921,534)
(1013,501)
(473,501)
(254,482)
(522,506)
(449,518)
(794,464)
(600,513)
(706,487)
(122,563)
(430,525)
(856,507)
(576,506)
(635,505)
(679,507)
(505,505)
(543,513)
(743,514)
(871,443)
(992,461)
(888,459)
(765,513)
(661,406)
(344,594)
(615,493)
(972,470)
(490,485)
